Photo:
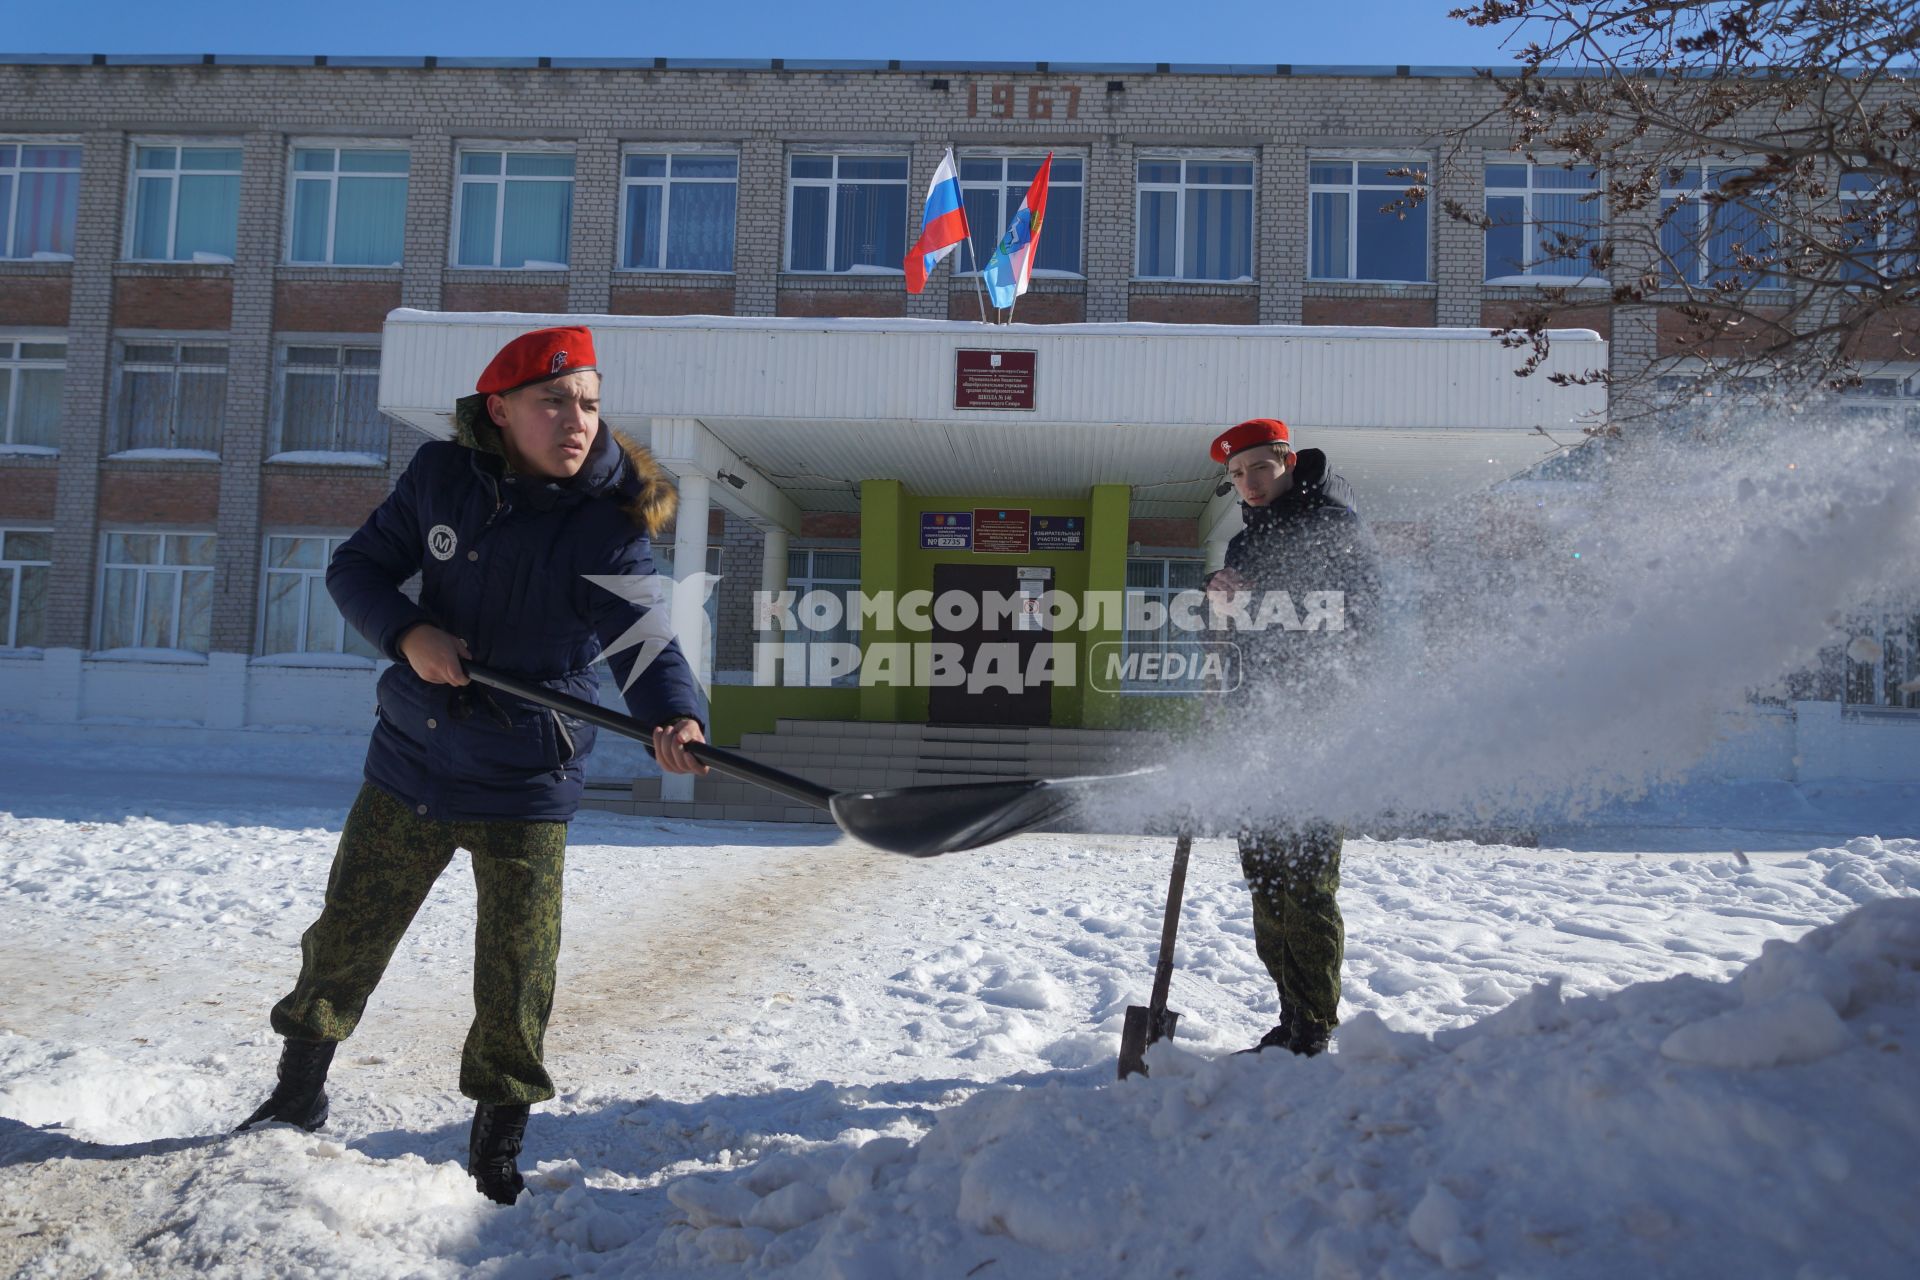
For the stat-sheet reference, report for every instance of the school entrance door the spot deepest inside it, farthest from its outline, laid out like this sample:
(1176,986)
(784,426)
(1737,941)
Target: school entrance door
(953,704)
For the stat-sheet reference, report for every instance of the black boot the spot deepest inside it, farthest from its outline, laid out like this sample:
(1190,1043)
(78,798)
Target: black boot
(301,1096)
(491,1148)
(1309,1039)
(1278,1038)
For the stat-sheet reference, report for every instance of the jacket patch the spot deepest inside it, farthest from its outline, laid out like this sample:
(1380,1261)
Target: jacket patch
(441,540)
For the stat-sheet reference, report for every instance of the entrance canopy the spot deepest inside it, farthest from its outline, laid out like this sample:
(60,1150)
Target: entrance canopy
(803,410)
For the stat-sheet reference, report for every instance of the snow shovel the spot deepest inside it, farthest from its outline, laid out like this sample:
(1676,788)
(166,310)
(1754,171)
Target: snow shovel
(918,821)
(1156,1022)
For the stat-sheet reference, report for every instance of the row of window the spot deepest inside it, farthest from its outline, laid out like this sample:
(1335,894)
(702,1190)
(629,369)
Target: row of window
(849,211)
(172,395)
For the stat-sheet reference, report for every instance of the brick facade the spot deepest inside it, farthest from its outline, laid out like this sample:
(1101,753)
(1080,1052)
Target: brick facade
(34,300)
(259,301)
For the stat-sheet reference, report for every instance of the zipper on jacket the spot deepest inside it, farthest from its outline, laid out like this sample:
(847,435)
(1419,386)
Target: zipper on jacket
(566,738)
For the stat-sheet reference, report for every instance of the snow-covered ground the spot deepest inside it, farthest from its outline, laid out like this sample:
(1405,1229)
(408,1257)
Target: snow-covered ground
(784,1053)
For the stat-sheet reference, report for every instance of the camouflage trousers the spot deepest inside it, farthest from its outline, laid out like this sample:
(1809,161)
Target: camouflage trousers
(1297,929)
(387,861)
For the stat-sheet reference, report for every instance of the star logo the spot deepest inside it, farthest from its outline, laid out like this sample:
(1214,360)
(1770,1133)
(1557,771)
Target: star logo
(671,609)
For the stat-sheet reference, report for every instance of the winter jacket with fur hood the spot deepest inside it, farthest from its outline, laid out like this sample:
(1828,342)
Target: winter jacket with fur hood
(503,560)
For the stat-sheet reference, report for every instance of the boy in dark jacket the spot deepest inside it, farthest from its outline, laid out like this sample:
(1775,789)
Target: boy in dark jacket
(1302,536)
(503,525)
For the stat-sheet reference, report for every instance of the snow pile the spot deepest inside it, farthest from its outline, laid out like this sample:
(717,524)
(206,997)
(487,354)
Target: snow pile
(1764,1126)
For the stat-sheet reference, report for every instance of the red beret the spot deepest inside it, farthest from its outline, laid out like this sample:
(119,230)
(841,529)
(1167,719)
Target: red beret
(537,357)
(1251,434)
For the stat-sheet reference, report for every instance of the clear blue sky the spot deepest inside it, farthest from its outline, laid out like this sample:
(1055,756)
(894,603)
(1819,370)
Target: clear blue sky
(1297,31)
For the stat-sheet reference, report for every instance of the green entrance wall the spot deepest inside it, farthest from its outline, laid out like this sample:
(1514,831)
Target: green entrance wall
(891,559)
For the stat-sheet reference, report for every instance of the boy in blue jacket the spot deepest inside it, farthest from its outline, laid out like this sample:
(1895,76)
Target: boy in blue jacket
(503,524)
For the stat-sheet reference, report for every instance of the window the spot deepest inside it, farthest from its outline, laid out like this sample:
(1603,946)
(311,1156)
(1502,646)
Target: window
(1158,580)
(837,573)
(329,401)
(173,395)
(26,556)
(39,199)
(1195,218)
(677,210)
(349,206)
(848,213)
(33,378)
(516,209)
(1893,680)
(186,204)
(1351,234)
(993,187)
(1879,233)
(297,615)
(1544,222)
(156,591)
(1713,230)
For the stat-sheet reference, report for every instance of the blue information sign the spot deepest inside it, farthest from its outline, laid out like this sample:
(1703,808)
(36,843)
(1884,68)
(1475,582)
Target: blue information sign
(946,530)
(1059,533)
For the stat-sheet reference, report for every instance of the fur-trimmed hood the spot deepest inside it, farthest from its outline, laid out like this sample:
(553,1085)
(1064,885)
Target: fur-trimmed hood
(616,466)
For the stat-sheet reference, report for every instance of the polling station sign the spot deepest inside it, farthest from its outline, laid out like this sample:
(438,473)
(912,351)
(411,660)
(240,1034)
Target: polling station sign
(946,530)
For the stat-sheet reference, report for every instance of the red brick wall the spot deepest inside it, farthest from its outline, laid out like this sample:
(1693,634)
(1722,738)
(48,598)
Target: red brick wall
(671,302)
(26,493)
(319,498)
(34,300)
(824,303)
(163,302)
(459,296)
(829,524)
(1164,532)
(137,497)
(1503,314)
(1171,309)
(333,306)
(1403,313)
(1895,336)
(1678,335)
(1035,308)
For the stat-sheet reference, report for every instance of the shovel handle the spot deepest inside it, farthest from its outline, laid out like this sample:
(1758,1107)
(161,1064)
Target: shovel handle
(1170,926)
(719,759)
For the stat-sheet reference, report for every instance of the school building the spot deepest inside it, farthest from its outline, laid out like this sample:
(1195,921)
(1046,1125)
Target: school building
(236,293)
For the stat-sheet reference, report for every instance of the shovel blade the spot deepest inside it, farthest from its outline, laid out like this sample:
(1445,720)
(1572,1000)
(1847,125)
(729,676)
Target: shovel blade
(923,822)
(1143,1027)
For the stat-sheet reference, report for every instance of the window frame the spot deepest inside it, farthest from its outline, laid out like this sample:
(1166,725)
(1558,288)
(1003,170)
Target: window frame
(1892,633)
(671,149)
(1250,158)
(295,177)
(1671,196)
(10,624)
(1165,592)
(146,571)
(134,338)
(12,211)
(1358,156)
(902,152)
(1887,255)
(10,342)
(461,181)
(131,206)
(283,345)
(1602,223)
(810,581)
(1009,201)
(332,540)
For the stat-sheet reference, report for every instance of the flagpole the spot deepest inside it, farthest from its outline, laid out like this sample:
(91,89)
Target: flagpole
(979,291)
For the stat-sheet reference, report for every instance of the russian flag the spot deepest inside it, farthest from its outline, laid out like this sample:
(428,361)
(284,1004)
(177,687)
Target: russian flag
(1011,265)
(943,226)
